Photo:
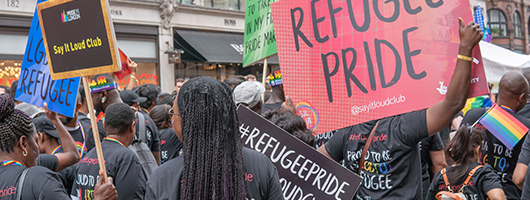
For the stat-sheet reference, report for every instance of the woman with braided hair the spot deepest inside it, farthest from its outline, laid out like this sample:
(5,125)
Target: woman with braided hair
(213,163)
(18,153)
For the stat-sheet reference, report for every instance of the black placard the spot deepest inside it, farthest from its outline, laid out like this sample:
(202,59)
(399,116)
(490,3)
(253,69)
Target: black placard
(78,37)
(304,172)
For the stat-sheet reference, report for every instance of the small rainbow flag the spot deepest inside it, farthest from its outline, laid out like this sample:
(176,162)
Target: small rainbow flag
(503,125)
(476,102)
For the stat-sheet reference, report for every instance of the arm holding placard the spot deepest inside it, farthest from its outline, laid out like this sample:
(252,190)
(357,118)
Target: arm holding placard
(442,113)
(133,82)
(71,154)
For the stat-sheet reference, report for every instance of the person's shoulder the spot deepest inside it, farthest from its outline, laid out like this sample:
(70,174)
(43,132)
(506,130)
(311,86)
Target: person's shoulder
(170,169)
(42,172)
(254,158)
(486,169)
(115,149)
(473,115)
(414,114)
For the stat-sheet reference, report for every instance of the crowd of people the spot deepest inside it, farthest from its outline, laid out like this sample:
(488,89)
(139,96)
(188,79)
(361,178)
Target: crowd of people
(186,144)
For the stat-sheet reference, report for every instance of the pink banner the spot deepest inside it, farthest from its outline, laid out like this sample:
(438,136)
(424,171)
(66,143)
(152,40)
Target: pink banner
(345,62)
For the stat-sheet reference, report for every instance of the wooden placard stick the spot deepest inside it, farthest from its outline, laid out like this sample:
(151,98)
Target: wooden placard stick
(94,128)
(263,77)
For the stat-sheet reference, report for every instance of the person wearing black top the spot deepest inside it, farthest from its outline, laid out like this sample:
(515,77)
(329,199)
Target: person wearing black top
(170,144)
(277,96)
(150,92)
(76,129)
(57,148)
(432,159)
(513,91)
(104,91)
(18,153)
(398,171)
(213,164)
(464,149)
(130,98)
(121,163)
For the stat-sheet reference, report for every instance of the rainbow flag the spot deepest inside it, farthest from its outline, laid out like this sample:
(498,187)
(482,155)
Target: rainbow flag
(504,126)
(477,102)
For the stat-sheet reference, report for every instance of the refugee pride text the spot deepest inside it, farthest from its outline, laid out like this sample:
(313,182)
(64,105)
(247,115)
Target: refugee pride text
(348,54)
(304,173)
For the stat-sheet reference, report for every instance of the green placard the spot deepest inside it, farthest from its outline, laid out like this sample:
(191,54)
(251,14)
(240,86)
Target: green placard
(260,41)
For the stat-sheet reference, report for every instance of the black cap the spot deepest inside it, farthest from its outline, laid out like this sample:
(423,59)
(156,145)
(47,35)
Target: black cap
(129,96)
(42,123)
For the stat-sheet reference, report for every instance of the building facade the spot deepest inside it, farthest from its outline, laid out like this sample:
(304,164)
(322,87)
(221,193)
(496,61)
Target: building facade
(508,21)
(207,33)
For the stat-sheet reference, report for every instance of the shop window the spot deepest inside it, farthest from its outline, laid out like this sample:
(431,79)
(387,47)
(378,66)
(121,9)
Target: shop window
(222,4)
(9,71)
(195,69)
(497,23)
(147,73)
(189,2)
(517,29)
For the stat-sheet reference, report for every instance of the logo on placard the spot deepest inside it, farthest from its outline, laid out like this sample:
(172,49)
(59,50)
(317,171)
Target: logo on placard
(309,114)
(442,89)
(70,15)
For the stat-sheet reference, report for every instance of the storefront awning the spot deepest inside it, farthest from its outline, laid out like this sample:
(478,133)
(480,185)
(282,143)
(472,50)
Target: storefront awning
(212,47)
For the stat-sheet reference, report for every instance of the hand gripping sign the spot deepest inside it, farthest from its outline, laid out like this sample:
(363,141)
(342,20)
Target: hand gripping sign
(349,61)
(79,40)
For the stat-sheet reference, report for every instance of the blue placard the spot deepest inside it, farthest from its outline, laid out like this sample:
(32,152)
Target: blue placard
(35,85)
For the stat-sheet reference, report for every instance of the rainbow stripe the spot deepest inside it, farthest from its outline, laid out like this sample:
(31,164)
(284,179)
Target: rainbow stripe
(504,126)
(83,149)
(56,149)
(11,162)
(100,116)
(64,18)
(315,116)
(476,102)
(114,140)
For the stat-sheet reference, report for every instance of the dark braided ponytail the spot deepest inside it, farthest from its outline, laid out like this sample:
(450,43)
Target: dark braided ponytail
(212,149)
(13,124)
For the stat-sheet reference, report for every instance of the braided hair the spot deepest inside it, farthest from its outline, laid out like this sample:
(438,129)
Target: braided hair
(13,124)
(212,149)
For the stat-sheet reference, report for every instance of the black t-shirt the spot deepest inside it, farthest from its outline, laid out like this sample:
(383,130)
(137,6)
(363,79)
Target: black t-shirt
(153,140)
(48,161)
(122,165)
(392,166)
(496,154)
(264,183)
(433,143)
(271,106)
(78,137)
(66,176)
(170,145)
(525,112)
(90,144)
(40,183)
(482,181)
